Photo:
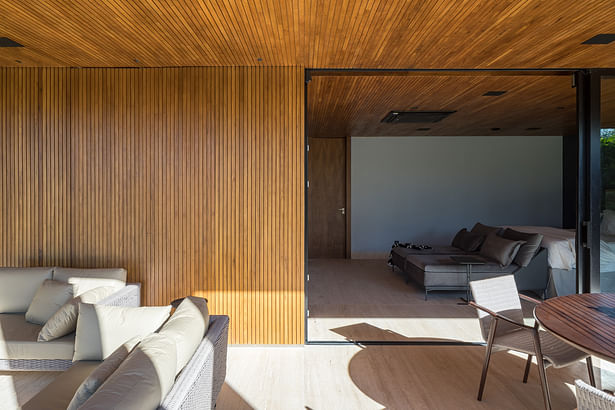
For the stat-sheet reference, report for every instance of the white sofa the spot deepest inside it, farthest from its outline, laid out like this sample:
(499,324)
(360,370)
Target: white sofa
(196,385)
(19,348)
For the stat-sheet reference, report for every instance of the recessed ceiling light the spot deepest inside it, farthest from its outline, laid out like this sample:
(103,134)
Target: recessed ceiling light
(495,129)
(7,42)
(18,61)
(136,61)
(423,129)
(414,108)
(259,59)
(561,108)
(600,39)
(494,93)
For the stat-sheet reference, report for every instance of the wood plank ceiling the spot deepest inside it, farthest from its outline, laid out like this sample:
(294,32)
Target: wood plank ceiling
(310,33)
(341,106)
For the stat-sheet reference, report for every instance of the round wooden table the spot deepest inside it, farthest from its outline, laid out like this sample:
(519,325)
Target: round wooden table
(585,321)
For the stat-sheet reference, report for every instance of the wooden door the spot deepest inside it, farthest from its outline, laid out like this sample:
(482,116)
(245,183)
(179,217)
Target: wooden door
(327,208)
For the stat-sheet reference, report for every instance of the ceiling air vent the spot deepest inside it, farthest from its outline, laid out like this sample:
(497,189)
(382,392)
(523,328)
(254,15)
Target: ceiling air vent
(600,39)
(415,116)
(7,42)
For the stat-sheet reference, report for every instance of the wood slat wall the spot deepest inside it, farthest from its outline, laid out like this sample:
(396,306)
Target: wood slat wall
(190,178)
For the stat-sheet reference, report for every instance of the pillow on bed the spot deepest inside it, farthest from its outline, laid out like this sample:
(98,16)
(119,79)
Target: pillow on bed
(485,230)
(528,249)
(468,241)
(500,250)
(607,226)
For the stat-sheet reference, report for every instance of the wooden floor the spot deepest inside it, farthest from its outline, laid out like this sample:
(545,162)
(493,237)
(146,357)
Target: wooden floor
(366,300)
(373,377)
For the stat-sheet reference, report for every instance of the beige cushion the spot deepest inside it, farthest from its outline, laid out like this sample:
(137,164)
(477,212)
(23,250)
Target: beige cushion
(500,250)
(102,329)
(18,340)
(101,373)
(64,321)
(59,393)
(142,380)
(47,300)
(19,285)
(528,249)
(187,326)
(88,279)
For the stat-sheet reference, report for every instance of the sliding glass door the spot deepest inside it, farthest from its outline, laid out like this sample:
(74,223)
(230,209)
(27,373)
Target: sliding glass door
(607,185)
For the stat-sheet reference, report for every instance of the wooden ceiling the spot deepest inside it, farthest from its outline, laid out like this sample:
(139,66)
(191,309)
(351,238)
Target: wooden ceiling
(341,106)
(310,33)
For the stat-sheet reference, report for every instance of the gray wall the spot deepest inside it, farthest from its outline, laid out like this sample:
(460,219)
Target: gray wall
(424,189)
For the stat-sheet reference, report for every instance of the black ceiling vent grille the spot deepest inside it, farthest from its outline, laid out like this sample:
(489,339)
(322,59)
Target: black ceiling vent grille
(7,42)
(494,93)
(600,39)
(402,117)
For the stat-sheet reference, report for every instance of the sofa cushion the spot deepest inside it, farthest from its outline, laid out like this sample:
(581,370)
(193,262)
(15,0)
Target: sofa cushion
(102,329)
(60,391)
(528,249)
(500,250)
(186,327)
(18,340)
(19,285)
(142,380)
(98,376)
(468,241)
(88,279)
(485,230)
(444,264)
(47,300)
(64,321)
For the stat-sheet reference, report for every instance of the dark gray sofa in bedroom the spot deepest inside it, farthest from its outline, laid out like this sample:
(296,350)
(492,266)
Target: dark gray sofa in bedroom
(434,269)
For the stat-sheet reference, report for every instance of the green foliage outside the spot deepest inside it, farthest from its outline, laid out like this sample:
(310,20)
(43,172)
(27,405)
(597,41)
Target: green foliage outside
(607,164)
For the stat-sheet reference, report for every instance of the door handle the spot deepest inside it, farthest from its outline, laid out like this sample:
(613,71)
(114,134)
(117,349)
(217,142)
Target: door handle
(342,210)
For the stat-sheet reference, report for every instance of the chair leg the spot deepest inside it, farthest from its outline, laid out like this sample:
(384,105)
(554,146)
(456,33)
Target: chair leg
(541,372)
(590,371)
(527,368)
(483,377)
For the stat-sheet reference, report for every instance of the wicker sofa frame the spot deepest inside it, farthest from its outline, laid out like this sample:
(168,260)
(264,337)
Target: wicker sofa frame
(200,382)
(130,295)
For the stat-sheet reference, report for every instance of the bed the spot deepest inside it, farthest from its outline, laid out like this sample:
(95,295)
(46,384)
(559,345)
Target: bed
(560,245)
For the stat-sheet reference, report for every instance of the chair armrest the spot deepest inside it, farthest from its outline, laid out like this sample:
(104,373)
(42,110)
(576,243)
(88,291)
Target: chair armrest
(129,295)
(530,299)
(501,317)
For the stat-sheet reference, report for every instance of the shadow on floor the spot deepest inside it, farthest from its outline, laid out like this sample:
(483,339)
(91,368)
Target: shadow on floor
(446,377)
(229,399)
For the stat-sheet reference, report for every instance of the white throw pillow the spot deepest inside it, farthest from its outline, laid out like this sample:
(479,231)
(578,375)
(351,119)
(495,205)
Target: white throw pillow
(102,329)
(101,373)
(143,379)
(19,285)
(88,279)
(64,321)
(187,326)
(607,225)
(48,299)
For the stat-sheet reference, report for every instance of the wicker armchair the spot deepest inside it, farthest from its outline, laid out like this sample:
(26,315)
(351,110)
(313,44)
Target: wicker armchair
(501,321)
(590,398)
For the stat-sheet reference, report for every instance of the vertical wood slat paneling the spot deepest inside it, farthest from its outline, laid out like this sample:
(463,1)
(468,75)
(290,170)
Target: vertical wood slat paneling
(190,178)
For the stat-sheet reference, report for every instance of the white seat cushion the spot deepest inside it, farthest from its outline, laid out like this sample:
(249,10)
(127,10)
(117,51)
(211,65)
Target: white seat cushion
(59,393)
(88,279)
(95,379)
(19,285)
(102,329)
(187,326)
(142,380)
(18,340)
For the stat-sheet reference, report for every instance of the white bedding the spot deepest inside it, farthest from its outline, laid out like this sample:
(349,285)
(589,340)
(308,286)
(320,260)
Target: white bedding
(561,251)
(559,243)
